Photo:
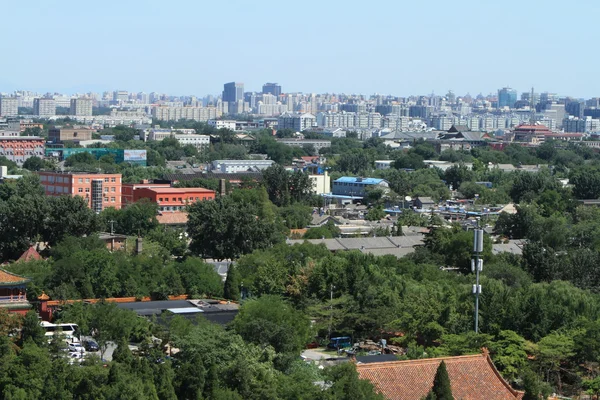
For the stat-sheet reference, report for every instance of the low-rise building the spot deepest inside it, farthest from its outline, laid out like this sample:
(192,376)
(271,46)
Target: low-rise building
(20,125)
(198,141)
(321,184)
(128,190)
(383,164)
(221,123)
(357,186)
(99,190)
(318,144)
(173,199)
(20,148)
(233,166)
(59,135)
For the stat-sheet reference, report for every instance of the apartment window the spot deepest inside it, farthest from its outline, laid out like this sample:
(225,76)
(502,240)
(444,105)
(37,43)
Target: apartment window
(174,198)
(204,198)
(80,180)
(106,199)
(87,190)
(105,190)
(180,199)
(87,180)
(113,179)
(197,198)
(80,190)
(112,199)
(112,189)
(160,199)
(106,180)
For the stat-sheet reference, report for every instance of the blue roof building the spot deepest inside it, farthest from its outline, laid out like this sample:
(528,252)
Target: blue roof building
(356,186)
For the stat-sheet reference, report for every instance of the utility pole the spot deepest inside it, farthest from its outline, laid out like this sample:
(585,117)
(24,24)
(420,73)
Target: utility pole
(477,267)
(330,309)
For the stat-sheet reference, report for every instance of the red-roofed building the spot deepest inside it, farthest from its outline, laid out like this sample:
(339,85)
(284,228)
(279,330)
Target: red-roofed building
(472,377)
(30,255)
(532,134)
(128,190)
(13,292)
(173,199)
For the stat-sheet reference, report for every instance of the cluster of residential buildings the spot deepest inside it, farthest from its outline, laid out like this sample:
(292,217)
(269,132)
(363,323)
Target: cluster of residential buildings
(273,107)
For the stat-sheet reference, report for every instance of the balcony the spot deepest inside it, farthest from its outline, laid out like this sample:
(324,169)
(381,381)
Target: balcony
(16,298)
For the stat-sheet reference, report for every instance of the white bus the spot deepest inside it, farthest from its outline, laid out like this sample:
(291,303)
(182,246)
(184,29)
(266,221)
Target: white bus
(70,332)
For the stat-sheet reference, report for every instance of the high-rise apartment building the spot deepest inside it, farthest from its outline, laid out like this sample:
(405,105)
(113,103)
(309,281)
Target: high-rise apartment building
(120,96)
(233,91)
(81,106)
(164,113)
(9,106)
(507,97)
(297,122)
(272,88)
(44,107)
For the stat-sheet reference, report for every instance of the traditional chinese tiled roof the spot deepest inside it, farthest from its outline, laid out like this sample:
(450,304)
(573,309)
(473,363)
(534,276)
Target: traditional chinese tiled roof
(29,255)
(8,278)
(172,218)
(471,377)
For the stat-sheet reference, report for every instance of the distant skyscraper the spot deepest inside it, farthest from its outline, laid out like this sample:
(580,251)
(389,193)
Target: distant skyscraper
(44,107)
(507,97)
(9,106)
(272,88)
(233,91)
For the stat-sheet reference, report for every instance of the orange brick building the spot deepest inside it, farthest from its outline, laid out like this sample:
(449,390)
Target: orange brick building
(129,189)
(173,199)
(100,190)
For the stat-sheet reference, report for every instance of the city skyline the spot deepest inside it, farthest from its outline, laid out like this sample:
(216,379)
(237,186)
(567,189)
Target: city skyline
(394,48)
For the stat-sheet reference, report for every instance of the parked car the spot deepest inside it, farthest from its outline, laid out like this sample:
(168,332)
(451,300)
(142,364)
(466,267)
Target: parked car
(90,345)
(76,348)
(75,357)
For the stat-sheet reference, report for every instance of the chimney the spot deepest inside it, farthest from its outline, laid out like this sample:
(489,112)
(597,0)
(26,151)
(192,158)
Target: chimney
(222,187)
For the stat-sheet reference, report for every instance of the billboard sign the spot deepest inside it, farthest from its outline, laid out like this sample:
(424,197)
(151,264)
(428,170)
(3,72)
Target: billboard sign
(134,155)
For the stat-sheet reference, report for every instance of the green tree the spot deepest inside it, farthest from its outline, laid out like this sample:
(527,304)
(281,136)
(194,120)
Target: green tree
(231,289)
(276,181)
(586,183)
(375,213)
(441,384)
(80,158)
(32,330)
(199,278)
(269,320)
(532,386)
(68,216)
(457,174)
(224,228)
(34,163)
(347,385)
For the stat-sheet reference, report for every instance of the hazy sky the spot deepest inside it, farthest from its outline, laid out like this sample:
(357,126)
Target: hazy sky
(393,47)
